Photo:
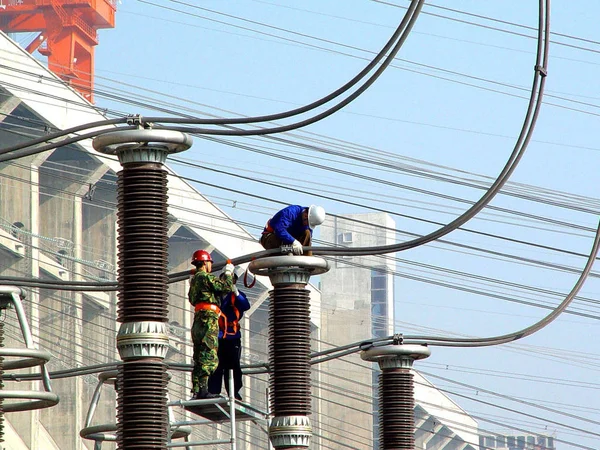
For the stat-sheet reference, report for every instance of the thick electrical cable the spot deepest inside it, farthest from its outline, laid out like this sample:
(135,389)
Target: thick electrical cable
(394,43)
(524,137)
(481,342)
(400,35)
(502,339)
(311,120)
(5,156)
(59,134)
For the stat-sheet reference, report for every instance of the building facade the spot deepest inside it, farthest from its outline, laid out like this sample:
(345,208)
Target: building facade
(58,222)
(358,304)
(502,441)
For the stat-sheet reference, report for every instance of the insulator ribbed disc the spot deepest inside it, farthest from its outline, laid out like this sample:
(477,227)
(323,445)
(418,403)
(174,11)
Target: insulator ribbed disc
(1,383)
(142,221)
(142,416)
(396,410)
(289,351)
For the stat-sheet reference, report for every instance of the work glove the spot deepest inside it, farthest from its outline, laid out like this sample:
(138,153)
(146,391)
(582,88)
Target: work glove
(228,269)
(235,291)
(297,247)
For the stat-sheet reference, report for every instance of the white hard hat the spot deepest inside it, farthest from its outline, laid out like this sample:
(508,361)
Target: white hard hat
(316,215)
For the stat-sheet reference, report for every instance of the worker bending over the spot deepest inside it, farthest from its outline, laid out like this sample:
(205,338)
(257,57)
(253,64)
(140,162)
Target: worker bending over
(292,226)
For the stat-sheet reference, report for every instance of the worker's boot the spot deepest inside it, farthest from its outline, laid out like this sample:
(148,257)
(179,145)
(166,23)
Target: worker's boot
(203,394)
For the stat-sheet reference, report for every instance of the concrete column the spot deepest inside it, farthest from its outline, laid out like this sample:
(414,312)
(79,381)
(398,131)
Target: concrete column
(78,312)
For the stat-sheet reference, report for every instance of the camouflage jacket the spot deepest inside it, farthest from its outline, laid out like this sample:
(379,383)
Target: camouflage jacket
(206,288)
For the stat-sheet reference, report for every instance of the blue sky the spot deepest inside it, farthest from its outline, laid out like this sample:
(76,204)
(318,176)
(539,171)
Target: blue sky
(452,103)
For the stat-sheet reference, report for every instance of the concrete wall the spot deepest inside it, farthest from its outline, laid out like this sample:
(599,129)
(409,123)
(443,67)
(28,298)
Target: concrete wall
(346,317)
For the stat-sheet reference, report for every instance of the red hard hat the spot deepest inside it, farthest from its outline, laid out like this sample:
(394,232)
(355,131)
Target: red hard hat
(200,256)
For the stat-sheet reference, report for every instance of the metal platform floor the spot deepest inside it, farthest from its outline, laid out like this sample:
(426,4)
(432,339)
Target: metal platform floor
(219,409)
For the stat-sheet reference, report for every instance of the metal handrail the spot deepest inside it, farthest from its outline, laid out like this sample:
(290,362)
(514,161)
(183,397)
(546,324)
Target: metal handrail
(30,357)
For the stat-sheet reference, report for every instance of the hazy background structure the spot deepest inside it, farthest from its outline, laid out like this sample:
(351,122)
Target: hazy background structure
(358,304)
(58,222)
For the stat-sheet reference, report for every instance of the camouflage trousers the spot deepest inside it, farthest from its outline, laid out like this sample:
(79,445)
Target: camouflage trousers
(205,336)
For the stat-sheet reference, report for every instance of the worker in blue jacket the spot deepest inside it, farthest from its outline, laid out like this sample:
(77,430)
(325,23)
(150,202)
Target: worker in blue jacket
(233,305)
(292,226)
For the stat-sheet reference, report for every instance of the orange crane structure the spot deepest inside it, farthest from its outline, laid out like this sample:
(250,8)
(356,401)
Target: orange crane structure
(67,34)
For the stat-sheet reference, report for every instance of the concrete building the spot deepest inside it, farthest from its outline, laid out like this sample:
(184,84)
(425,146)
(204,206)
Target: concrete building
(358,305)
(58,222)
(511,441)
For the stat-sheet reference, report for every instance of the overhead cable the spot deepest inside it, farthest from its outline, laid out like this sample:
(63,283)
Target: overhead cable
(395,43)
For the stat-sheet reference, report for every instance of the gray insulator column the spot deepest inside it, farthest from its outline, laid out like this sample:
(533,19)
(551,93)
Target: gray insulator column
(142,307)
(289,346)
(1,382)
(396,394)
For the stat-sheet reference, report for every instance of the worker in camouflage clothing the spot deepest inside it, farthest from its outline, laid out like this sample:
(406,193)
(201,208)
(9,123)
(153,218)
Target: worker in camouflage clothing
(205,295)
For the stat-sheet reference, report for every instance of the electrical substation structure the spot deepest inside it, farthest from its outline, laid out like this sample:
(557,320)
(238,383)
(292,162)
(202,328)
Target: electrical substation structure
(142,339)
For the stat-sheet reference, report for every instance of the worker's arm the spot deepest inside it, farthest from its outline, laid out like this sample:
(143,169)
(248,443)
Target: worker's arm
(282,221)
(241,302)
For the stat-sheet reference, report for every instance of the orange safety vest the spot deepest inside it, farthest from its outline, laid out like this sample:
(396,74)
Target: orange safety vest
(224,324)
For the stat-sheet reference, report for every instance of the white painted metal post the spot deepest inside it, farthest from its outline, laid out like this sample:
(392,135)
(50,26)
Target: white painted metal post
(232,409)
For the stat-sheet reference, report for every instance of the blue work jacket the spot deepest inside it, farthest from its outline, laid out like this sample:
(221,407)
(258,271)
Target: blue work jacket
(232,307)
(287,224)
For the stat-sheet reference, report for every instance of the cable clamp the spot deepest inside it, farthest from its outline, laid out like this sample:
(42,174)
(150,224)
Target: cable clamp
(286,249)
(398,339)
(135,119)
(541,70)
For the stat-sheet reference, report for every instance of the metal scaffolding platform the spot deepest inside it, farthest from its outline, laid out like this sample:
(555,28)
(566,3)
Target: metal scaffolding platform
(219,409)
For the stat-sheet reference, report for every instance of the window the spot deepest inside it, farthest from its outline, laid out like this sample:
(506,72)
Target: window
(59,257)
(16,228)
(511,442)
(490,442)
(378,282)
(379,306)
(520,441)
(98,326)
(345,238)
(500,441)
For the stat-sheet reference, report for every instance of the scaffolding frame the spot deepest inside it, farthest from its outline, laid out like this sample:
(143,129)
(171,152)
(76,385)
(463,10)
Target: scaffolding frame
(215,407)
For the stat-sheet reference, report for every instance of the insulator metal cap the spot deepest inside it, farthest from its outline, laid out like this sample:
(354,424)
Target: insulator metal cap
(142,340)
(143,145)
(290,432)
(289,269)
(395,356)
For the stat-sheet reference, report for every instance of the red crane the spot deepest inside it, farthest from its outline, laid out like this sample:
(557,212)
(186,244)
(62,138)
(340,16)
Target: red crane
(67,34)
